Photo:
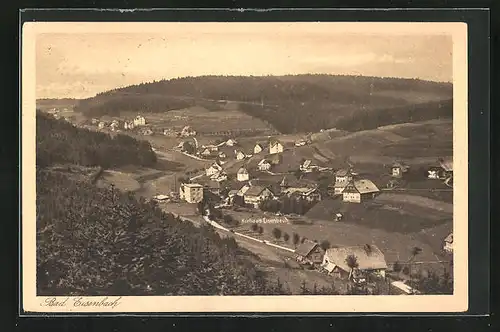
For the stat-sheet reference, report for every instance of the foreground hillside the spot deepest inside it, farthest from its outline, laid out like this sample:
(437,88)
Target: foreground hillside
(291,104)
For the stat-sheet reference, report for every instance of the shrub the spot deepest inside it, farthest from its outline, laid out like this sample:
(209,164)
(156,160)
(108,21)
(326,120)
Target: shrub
(277,233)
(325,244)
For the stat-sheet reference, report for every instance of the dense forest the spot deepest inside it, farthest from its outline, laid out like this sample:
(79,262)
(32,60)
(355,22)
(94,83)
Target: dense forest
(60,142)
(99,241)
(314,102)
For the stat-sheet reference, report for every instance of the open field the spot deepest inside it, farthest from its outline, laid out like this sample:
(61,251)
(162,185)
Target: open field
(388,212)
(208,122)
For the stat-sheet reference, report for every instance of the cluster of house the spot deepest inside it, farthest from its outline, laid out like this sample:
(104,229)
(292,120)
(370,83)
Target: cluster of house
(352,189)
(116,125)
(216,150)
(366,260)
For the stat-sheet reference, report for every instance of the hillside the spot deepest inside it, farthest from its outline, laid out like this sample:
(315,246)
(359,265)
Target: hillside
(291,104)
(99,241)
(58,141)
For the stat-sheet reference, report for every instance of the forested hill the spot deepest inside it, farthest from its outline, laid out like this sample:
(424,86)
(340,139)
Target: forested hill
(294,103)
(99,241)
(60,142)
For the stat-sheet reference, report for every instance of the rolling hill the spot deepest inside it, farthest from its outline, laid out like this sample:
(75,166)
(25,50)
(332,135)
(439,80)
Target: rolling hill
(291,104)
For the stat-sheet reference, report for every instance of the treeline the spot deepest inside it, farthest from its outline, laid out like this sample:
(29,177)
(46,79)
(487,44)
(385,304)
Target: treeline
(294,103)
(365,120)
(99,241)
(287,205)
(137,102)
(58,141)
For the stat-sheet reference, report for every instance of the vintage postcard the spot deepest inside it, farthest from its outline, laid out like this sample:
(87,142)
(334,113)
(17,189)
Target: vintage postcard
(244,167)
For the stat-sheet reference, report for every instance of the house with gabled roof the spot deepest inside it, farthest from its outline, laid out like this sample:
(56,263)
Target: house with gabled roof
(309,252)
(258,148)
(369,259)
(242,174)
(448,243)
(254,195)
(399,169)
(359,190)
(219,177)
(264,165)
(231,142)
(239,155)
(275,146)
(215,168)
(342,178)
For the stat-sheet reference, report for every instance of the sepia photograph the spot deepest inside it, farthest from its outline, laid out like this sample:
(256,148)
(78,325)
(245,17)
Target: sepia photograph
(200,167)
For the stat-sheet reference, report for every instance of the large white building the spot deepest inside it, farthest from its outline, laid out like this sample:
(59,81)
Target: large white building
(191,192)
(139,121)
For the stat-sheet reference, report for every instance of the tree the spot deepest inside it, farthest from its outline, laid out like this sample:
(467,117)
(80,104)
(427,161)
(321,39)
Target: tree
(397,267)
(352,263)
(277,233)
(286,237)
(303,239)
(325,244)
(254,227)
(413,254)
(296,239)
(261,230)
(228,219)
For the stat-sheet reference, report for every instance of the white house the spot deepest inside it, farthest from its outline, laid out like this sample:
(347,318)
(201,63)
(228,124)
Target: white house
(306,166)
(275,147)
(264,165)
(448,243)
(215,168)
(219,177)
(256,194)
(128,125)
(191,192)
(258,148)
(231,142)
(206,152)
(300,142)
(342,178)
(239,155)
(242,174)
(139,121)
(359,190)
(101,125)
(398,169)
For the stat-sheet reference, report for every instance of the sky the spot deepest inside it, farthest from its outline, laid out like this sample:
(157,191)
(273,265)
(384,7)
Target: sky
(79,65)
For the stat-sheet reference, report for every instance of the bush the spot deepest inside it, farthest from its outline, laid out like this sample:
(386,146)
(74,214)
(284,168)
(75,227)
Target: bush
(286,237)
(277,233)
(325,244)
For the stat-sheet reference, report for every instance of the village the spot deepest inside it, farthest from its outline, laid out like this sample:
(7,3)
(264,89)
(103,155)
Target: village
(245,191)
